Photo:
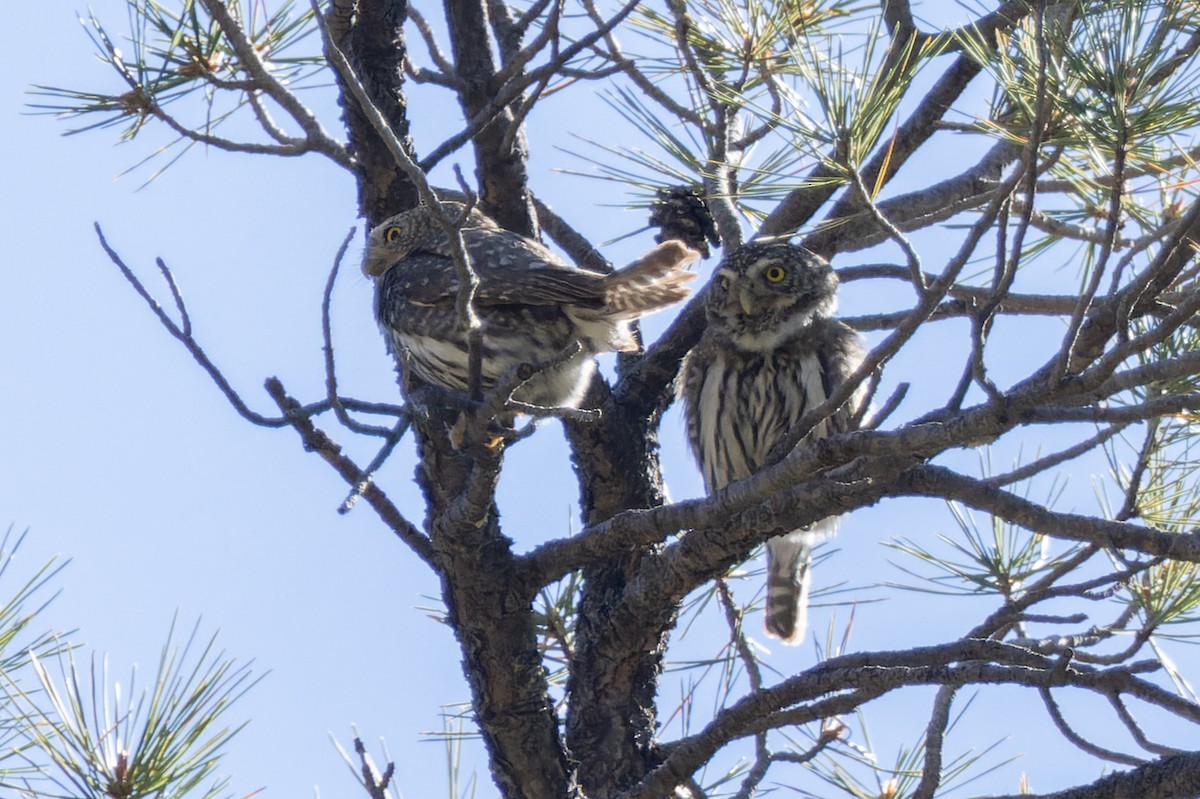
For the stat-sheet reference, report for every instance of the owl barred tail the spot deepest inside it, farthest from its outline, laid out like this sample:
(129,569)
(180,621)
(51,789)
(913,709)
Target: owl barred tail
(789,568)
(654,281)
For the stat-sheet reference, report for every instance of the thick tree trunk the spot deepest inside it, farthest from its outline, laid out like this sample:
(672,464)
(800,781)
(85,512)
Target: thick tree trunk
(611,718)
(500,150)
(489,608)
(372,37)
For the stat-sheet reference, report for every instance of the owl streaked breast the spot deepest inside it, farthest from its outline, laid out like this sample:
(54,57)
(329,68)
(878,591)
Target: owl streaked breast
(771,352)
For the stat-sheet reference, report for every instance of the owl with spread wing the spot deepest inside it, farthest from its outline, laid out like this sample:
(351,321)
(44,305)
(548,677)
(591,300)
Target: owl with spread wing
(770,353)
(534,308)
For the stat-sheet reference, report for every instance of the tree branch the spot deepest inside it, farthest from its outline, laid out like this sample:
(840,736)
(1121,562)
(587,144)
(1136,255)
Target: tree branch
(249,58)
(317,441)
(184,334)
(877,673)
(940,482)
(1167,778)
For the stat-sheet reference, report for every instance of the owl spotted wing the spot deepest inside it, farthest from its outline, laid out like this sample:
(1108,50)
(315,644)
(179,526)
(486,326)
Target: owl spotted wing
(512,270)
(840,353)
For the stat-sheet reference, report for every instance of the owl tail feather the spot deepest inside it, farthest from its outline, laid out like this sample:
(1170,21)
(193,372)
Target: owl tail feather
(789,569)
(652,282)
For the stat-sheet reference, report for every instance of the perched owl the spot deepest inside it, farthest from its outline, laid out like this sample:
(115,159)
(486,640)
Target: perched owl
(532,305)
(770,353)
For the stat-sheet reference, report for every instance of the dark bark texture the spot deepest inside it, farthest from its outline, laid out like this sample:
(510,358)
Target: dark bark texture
(371,34)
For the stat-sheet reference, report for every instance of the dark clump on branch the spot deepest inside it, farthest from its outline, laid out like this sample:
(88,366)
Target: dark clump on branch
(680,213)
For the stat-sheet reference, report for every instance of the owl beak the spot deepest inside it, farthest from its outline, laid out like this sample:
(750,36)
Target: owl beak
(375,266)
(745,302)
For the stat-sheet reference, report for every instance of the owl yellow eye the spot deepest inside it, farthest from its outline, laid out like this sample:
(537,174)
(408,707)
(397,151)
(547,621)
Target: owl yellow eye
(391,234)
(724,284)
(775,274)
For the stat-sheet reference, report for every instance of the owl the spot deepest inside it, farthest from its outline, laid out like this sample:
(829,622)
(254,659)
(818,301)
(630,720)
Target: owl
(770,353)
(533,307)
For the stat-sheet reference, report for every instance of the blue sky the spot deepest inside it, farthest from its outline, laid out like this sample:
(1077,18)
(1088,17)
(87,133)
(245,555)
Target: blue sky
(122,456)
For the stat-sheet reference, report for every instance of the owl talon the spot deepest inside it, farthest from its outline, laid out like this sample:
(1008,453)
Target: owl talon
(492,437)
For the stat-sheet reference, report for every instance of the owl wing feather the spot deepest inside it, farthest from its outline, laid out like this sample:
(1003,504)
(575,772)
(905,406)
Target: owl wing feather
(510,271)
(541,285)
(533,306)
(654,281)
(696,370)
(513,269)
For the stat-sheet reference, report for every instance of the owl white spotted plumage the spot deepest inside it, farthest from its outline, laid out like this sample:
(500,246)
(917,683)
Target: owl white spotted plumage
(770,353)
(533,307)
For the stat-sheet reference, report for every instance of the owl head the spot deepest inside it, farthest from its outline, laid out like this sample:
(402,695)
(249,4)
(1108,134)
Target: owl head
(412,231)
(765,294)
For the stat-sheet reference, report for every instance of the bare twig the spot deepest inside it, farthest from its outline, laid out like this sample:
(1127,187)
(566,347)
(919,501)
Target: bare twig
(264,117)
(317,441)
(1057,458)
(887,409)
(185,321)
(648,87)
(393,438)
(184,335)
(331,392)
(375,783)
(734,619)
(935,731)
(916,274)
(499,398)
(435,52)
(1129,508)
(1122,711)
(1078,740)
